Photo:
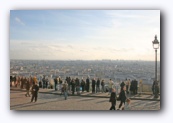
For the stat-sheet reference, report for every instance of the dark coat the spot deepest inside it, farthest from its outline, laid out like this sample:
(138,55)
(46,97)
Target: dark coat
(93,82)
(87,82)
(103,83)
(77,82)
(122,84)
(27,85)
(123,96)
(98,82)
(35,89)
(55,80)
(113,97)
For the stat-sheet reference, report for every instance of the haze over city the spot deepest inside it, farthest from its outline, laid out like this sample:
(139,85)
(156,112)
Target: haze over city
(84,34)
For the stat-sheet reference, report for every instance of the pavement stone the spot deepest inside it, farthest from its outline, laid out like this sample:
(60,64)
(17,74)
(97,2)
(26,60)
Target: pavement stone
(50,101)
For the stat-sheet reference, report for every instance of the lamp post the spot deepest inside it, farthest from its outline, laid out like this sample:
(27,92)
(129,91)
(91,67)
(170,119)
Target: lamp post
(156,87)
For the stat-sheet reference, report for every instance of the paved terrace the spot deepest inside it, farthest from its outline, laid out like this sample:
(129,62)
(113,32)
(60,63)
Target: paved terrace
(49,99)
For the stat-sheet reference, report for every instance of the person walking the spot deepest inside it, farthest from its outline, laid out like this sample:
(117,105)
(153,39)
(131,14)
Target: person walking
(122,85)
(34,90)
(122,97)
(103,86)
(112,99)
(27,88)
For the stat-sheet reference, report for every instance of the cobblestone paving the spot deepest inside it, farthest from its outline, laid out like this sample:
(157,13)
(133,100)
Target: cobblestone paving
(18,101)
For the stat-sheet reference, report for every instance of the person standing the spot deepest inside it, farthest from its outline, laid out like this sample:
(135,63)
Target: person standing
(122,85)
(110,86)
(93,85)
(77,86)
(103,86)
(55,81)
(98,85)
(11,80)
(83,85)
(140,86)
(22,81)
(73,86)
(27,88)
(112,99)
(87,84)
(34,90)
(60,84)
(65,90)
(14,79)
(135,86)
(46,83)
(69,83)
(122,97)
(127,86)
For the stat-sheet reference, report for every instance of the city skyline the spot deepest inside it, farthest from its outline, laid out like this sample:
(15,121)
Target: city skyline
(84,34)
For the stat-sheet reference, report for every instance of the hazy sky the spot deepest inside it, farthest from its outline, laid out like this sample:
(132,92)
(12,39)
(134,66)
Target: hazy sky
(84,34)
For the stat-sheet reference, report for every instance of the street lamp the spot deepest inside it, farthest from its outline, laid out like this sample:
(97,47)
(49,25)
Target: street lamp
(156,46)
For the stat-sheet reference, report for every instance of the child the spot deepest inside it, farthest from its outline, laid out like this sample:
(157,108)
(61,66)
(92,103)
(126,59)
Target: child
(113,99)
(127,105)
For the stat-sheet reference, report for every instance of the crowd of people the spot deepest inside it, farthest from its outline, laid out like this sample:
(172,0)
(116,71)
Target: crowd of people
(75,85)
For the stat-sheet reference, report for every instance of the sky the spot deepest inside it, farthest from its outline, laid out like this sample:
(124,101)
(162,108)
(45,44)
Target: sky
(84,34)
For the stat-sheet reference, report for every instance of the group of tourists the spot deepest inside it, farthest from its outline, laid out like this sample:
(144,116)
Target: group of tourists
(124,101)
(76,85)
(30,84)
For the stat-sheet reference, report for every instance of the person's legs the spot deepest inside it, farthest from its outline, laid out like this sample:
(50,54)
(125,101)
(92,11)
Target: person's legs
(32,97)
(36,94)
(113,105)
(120,104)
(65,95)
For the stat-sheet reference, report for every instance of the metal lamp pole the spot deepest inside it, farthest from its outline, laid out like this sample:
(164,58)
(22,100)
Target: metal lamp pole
(156,87)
